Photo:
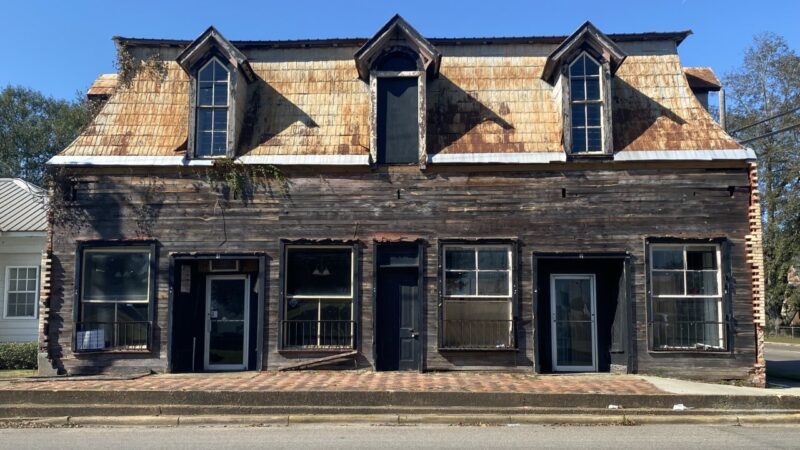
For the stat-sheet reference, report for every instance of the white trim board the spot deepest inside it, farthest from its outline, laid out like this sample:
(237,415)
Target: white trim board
(440,158)
(685,155)
(283,160)
(498,158)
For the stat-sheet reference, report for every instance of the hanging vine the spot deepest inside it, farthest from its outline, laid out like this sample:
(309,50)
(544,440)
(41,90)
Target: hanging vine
(128,66)
(240,181)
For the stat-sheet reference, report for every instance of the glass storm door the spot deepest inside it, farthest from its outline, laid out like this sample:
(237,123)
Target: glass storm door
(573,323)
(227,320)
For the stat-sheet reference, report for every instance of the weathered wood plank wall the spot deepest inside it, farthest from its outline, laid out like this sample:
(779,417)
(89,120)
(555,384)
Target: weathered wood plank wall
(592,207)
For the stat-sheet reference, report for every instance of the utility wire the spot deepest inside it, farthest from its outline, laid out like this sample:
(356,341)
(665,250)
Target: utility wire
(771,133)
(765,120)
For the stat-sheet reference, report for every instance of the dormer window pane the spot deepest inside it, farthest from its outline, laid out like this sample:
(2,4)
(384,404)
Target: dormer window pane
(212,110)
(593,114)
(593,89)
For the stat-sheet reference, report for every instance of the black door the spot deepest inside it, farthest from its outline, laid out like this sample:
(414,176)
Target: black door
(397,309)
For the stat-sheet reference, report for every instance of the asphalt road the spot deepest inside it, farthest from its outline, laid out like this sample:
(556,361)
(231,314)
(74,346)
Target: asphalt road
(783,363)
(405,437)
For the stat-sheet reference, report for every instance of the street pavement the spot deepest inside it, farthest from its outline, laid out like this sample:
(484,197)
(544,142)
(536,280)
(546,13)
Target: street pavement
(783,364)
(404,437)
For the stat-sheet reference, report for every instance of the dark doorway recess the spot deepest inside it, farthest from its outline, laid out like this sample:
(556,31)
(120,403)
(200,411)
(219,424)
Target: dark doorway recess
(398,307)
(398,121)
(612,308)
(189,315)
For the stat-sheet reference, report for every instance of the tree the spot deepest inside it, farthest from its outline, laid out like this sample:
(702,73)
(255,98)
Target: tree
(33,128)
(768,83)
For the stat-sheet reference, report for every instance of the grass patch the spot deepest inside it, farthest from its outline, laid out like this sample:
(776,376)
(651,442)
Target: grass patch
(783,339)
(16,373)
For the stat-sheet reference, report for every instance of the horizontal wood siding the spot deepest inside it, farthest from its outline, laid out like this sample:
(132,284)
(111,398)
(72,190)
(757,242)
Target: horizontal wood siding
(573,208)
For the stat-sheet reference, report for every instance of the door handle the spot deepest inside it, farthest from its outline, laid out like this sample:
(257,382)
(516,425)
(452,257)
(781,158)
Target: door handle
(414,334)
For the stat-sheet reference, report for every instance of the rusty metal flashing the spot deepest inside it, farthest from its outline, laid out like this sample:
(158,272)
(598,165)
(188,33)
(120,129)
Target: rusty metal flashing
(586,34)
(676,36)
(431,57)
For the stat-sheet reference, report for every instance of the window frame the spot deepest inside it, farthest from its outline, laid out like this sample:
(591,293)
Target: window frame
(723,296)
(513,297)
(421,76)
(354,296)
(77,295)
(7,291)
(585,103)
(197,107)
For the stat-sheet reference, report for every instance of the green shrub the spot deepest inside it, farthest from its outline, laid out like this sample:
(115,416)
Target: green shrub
(17,356)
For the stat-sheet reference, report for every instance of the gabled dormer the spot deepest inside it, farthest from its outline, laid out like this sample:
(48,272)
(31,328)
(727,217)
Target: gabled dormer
(580,69)
(396,62)
(219,75)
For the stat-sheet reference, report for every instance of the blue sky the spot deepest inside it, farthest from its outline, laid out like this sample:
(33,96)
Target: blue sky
(59,47)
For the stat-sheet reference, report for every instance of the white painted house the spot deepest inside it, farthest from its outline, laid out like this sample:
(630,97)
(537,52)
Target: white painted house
(23,231)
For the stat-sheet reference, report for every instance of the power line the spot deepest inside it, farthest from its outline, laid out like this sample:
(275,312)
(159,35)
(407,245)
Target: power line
(765,120)
(771,133)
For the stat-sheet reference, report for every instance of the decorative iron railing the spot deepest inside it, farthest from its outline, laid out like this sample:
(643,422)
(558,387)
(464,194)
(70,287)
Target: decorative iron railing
(112,336)
(689,335)
(318,334)
(477,334)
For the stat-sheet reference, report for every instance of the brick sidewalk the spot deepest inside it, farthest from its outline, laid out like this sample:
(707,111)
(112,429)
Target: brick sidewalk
(336,381)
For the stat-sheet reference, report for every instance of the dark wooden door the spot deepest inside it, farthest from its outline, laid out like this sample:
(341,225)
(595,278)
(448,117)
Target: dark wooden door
(397,327)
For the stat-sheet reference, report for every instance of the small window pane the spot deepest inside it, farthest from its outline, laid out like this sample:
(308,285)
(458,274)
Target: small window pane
(132,312)
(593,114)
(578,115)
(460,259)
(204,144)
(493,259)
(702,283)
(593,88)
(667,283)
(220,73)
(220,119)
(221,94)
(459,283)
(493,283)
(322,272)
(116,276)
(594,143)
(591,67)
(699,258)
(204,94)
(301,309)
(218,147)
(204,119)
(578,140)
(31,285)
(577,89)
(207,73)
(576,69)
(668,258)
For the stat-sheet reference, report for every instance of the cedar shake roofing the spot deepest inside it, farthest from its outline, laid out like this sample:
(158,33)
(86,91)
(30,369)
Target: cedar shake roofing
(487,99)
(103,86)
(702,78)
(22,206)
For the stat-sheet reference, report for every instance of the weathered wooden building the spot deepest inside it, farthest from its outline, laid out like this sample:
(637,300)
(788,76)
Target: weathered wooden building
(540,204)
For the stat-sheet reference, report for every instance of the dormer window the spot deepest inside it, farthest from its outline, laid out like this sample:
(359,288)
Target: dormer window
(219,75)
(212,110)
(580,70)
(586,102)
(397,116)
(397,62)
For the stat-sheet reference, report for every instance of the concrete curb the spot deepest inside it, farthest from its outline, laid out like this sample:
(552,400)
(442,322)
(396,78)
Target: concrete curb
(391,419)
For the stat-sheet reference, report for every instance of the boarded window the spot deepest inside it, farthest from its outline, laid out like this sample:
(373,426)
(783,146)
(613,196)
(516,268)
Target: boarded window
(398,124)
